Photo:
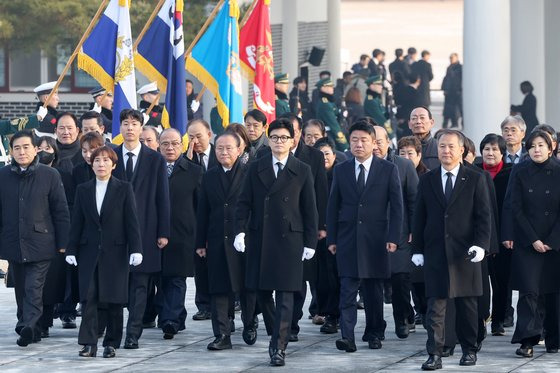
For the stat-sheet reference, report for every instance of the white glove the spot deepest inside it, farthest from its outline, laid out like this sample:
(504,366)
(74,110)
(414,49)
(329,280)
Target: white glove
(195,105)
(239,242)
(418,260)
(96,108)
(307,253)
(42,112)
(71,259)
(480,253)
(135,259)
(146,118)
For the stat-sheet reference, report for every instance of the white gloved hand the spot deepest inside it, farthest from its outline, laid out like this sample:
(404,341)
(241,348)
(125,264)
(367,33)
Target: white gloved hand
(71,259)
(42,112)
(239,242)
(146,118)
(135,259)
(96,108)
(195,105)
(418,260)
(480,253)
(307,253)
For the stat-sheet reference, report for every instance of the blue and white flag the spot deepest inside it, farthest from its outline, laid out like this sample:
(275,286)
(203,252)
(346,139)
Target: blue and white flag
(107,56)
(160,57)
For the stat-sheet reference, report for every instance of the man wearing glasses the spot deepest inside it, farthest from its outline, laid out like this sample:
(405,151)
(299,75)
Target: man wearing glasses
(276,211)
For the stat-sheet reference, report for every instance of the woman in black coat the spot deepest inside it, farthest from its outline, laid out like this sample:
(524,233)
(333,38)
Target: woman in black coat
(535,258)
(105,232)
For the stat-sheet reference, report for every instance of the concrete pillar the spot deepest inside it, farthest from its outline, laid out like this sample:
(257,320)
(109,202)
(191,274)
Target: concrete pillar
(334,43)
(290,38)
(527,51)
(486,70)
(552,72)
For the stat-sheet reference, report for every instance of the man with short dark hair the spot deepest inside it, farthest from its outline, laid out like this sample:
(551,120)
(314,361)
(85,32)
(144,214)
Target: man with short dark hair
(194,107)
(398,65)
(364,222)
(33,227)
(67,133)
(420,123)
(423,69)
(255,122)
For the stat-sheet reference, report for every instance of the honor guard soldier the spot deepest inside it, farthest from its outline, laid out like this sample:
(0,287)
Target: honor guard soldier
(281,86)
(149,93)
(103,104)
(48,122)
(330,114)
(373,107)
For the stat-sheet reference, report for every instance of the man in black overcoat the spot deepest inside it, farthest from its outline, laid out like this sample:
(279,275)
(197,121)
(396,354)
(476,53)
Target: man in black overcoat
(364,223)
(451,232)
(277,210)
(146,170)
(424,70)
(178,256)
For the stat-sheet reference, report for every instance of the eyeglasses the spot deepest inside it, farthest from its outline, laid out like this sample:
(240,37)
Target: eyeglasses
(281,139)
(167,144)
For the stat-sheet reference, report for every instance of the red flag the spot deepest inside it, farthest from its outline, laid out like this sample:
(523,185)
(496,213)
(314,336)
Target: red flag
(255,52)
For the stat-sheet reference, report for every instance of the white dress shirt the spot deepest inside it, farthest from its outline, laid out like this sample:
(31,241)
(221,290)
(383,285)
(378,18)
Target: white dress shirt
(517,158)
(135,151)
(275,166)
(444,172)
(100,190)
(367,166)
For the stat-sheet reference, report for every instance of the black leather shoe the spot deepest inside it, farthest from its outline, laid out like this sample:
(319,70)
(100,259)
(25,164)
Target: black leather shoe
(498,329)
(249,336)
(447,351)
(222,342)
(231,326)
(25,337)
(149,324)
(202,315)
(525,351)
(294,337)
(344,344)
(109,352)
(402,331)
(329,327)
(169,330)
(374,344)
(88,351)
(508,321)
(433,363)
(552,350)
(468,360)
(418,319)
(68,323)
(278,358)
(45,333)
(130,343)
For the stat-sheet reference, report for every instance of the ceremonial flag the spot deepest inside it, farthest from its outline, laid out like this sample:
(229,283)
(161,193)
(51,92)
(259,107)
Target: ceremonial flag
(255,52)
(215,62)
(106,55)
(160,56)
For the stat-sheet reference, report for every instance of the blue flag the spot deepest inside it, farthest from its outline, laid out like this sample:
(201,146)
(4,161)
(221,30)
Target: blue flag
(215,62)
(160,56)
(107,56)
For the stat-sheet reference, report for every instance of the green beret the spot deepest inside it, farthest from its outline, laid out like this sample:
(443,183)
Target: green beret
(324,83)
(374,79)
(282,78)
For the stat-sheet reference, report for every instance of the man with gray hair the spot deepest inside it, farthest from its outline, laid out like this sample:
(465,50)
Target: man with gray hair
(513,131)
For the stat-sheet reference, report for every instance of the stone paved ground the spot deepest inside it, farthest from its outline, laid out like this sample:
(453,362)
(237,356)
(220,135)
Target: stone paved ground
(187,351)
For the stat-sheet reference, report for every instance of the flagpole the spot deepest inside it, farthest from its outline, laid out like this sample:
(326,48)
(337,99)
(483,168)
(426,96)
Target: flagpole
(199,95)
(73,56)
(147,25)
(248,13)
(204,27)
(154,103)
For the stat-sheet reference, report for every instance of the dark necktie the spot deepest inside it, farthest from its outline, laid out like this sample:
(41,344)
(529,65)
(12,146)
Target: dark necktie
(361,183)
(280,168)
(228,175)
(512,158)
(169,169)
(129,166)
(448,186)
(201,160)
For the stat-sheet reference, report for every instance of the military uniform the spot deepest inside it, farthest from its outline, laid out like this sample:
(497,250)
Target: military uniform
(216,122)
(330,114)
(282,100)
(11,126)
(106,114)
(48,124)
(373,107)
(154,117)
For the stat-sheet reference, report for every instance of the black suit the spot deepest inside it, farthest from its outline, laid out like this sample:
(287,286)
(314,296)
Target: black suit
(102,243)
(280,216)
(528,111)
(360,225)
(424,71)
(443,233)
(151,192)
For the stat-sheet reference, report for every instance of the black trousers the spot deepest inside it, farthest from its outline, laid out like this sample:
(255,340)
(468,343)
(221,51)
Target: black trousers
(282,320)
(299,301)
(402,309)
(29,282)
(201,296)
(261,299)
(499,267)
(154,300)
(419,297)
(137,298)
(172,294)
(328,284)
(89,327)
(67,309)
(372,290)
(220,306)
(534,313)
(466,324)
